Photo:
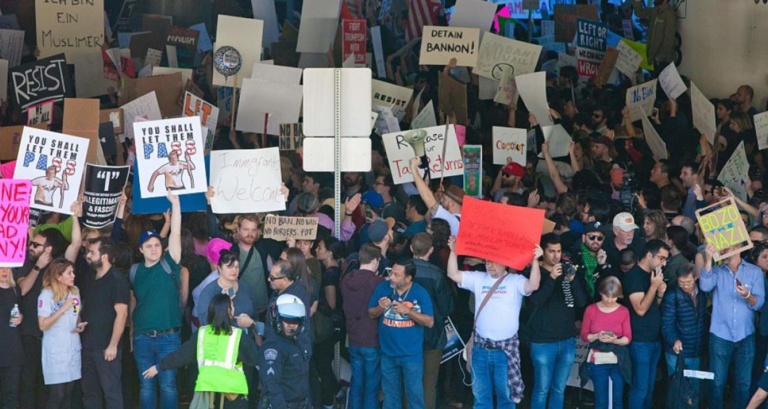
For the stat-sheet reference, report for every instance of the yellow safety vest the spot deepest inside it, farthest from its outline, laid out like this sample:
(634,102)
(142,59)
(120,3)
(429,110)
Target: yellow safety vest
(216,360)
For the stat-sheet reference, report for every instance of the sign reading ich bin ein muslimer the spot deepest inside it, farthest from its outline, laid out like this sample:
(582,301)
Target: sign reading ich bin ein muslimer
(54,163)
(14,220)
(170,153)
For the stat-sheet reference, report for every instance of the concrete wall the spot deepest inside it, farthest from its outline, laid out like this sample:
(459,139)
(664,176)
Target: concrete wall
(725,44)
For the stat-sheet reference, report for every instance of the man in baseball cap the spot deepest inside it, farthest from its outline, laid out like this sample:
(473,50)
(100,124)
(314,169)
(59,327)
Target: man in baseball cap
(624,237)
(510,179)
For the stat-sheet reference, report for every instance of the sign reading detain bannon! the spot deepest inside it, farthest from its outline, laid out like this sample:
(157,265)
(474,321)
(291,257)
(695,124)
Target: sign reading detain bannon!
(69,26)
(440,44)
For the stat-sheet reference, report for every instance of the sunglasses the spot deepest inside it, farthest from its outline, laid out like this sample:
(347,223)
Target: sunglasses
(594,237)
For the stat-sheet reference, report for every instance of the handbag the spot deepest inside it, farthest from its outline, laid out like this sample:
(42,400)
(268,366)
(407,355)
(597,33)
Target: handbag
(468,347)
(680,390)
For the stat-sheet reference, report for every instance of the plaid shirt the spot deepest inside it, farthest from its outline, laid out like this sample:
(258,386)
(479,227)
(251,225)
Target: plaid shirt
(511,348)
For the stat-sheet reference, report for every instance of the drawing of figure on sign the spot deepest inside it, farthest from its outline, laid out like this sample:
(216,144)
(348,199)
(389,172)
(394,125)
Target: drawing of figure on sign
(500,69)
(46,186)
(173,171)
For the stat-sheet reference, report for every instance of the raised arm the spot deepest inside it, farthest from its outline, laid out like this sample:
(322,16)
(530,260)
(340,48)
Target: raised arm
(532,283)
(174,240)
(453,262)
(77,238)
(554,174)
(424,191)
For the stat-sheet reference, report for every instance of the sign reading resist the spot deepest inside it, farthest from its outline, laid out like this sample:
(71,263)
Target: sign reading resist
(103,187)
(170,153)
(41,80)
(246,181)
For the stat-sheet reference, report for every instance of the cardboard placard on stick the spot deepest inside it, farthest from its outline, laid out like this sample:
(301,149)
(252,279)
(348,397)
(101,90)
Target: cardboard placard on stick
(81,118)
(607,65)
(440,44)
(452,97)
(291,137)
(282,228)
(722,227)
(103,187)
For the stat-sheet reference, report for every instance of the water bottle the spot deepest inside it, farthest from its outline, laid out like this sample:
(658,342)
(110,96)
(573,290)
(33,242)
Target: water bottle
(14,314)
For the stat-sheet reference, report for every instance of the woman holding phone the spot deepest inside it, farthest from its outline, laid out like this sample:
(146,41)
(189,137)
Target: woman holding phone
(58,314)
(606,327)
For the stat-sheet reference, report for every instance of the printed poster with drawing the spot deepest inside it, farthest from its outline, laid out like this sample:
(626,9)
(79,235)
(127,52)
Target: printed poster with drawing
(170,153)
(723,228)
(54,162)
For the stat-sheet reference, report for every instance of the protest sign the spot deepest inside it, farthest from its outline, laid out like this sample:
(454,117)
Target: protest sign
(81,118)
(629,60)
(282,228)
(267,12)
(498,54)
(506,26)
(761,129)
(605,69)
(532,88)
(244,34)
(472,155)
(378,52)
(566,16)
(454,344)
(507,92)
(399,154)
(103,187)
(558,139)
(652,138)
(111,65)
(167,89)
(42,80)
(477,14)
(159,149)
(509,145)
(319,21)
(276,73)
(195,202)
(425,118)
(547,28)
(440,44)
(185,40)
(15,196)
(208,113)
(671,83)
(452,98)
(722,227)
(115,116)
(734,173)
(280,101)
(627,27)
(510,242)
(703,114)
(10,139)
(41,113)
(385,122)
(565,60)
(574,379)
(107,139)
(11,46)
(291,137)
(186,73)
(640,99)
(353,39)
(391,96)
(642,50)
(591,43)
(54,163)
(224,97)
(71,27)
(246,181)
(144,107)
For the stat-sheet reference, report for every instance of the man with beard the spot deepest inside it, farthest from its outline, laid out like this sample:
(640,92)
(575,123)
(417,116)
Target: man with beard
(44,247)
(689,176)
(509,179)
(106,293)
(449,206)
(662,21)
(590,259)
(403,308)
(599,120)
(624,238)
(744,96)
(353,183)
(251,267)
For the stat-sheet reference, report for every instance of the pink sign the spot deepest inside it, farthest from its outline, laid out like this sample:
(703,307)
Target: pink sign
(15,196)
(7,169)
(353,40)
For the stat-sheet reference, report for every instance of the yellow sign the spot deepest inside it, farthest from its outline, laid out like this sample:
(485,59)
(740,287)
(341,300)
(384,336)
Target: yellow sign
(722,227)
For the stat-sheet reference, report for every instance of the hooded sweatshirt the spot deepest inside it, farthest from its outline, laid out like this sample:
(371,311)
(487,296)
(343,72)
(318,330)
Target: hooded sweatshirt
(357,286)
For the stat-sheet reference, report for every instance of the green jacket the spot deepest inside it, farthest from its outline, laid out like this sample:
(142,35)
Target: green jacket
(662,26)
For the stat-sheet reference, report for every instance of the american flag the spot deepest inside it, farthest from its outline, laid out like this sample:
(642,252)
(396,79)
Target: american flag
(421,13)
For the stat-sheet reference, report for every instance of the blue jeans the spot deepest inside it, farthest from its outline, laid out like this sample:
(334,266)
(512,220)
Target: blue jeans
(366,378)
(489,374)
(393,370)
(645,356)
(551,367)
(150,351)
(690,363)
(599,374)
(721,352)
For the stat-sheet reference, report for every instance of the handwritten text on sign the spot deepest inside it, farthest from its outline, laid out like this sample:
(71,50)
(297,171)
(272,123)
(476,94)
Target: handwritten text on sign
(440,44)
(723,228)
(69,25)
(400,152)
(282,228)
(246,181)
(14,219)
(510,243)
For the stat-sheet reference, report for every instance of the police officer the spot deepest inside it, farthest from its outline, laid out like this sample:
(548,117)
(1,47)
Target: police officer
(284,366)
(221,368)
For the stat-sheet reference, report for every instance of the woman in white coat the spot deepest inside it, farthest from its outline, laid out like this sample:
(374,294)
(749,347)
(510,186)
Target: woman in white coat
(58,312)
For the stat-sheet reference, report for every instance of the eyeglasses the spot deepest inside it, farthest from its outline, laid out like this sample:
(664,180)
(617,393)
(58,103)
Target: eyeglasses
(661,258)
(273,278)
(686,283)
(35,244)
(596,237)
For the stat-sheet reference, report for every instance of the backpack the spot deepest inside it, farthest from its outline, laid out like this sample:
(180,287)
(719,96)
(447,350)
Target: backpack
(166,267)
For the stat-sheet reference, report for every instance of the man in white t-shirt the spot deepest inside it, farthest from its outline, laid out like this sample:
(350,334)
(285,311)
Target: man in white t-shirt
(47,185)
(173,172)
(496,346)
(449,207)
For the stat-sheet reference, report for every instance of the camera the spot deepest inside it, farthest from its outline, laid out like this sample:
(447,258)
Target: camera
(629,187)
(568,268)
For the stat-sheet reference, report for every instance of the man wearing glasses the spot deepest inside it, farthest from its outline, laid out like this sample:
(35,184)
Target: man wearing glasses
(590,259)
(645,287)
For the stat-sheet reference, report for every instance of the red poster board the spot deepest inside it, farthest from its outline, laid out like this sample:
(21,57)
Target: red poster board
(353,39)
(502,233)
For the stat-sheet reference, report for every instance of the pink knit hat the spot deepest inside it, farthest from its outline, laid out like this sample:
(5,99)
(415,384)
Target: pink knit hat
(213,250)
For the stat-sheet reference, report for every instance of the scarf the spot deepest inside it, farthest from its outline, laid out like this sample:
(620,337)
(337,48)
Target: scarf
(590,263)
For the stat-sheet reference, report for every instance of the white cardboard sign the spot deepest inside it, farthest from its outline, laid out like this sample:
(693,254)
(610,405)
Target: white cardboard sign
(498,54)
(641,99)
(272,102)
(734,173)
(670,82)
(399,154)
(652,138)
(440,44)
(703,114)
(629,60)
(246,181)
(425,118)
(171,152)
(391,95)
(509,145)
(532,89)
(244,34)
(761,129)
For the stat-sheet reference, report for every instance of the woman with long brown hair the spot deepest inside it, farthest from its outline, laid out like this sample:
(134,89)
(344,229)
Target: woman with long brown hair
(12,354)
(58,312)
